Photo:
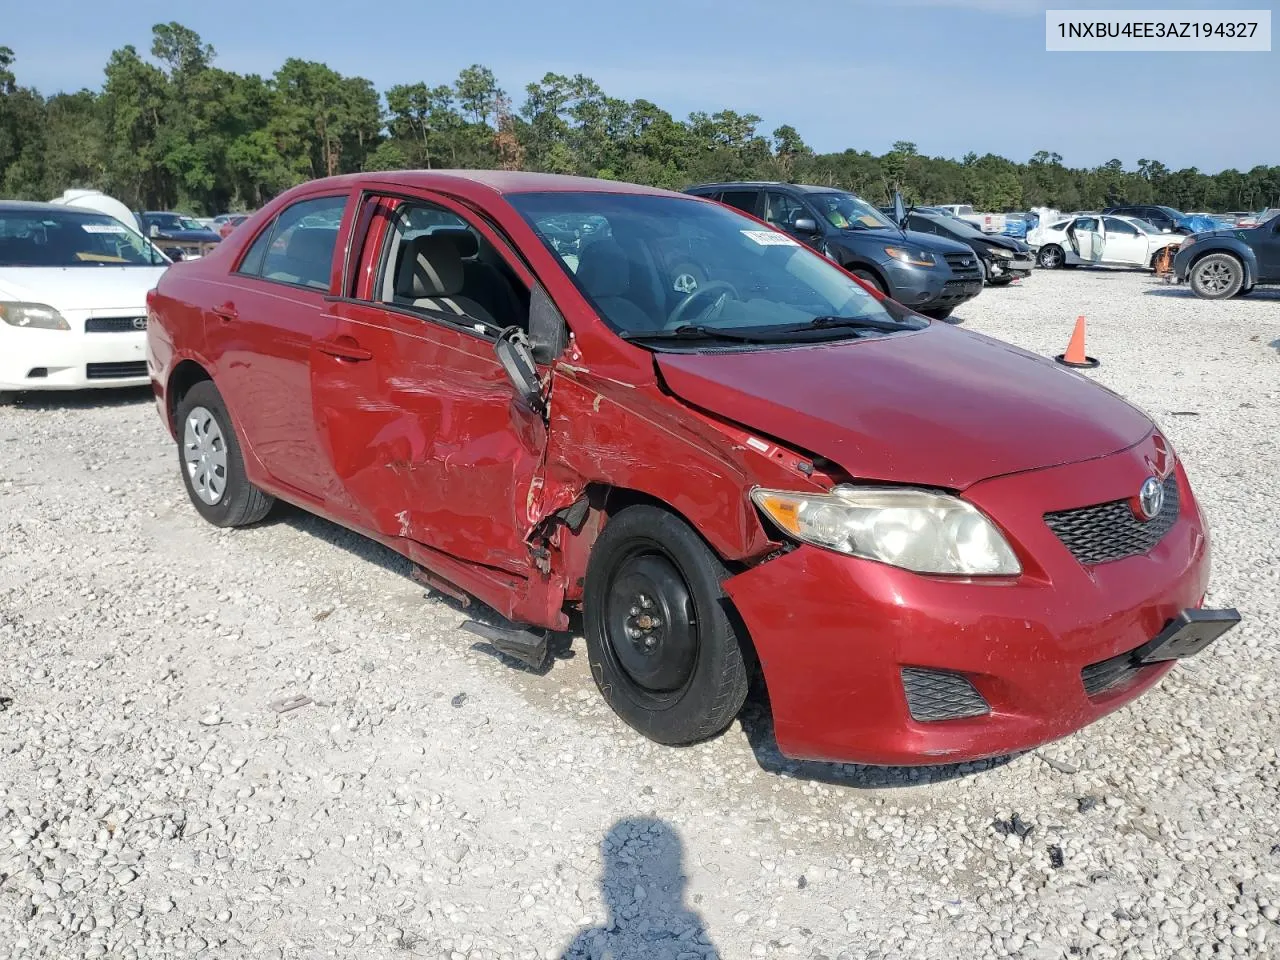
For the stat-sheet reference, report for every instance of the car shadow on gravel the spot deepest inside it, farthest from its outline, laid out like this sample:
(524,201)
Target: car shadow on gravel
(1183,292)
(559,646)
(643,886)
(757,723)
(81,399)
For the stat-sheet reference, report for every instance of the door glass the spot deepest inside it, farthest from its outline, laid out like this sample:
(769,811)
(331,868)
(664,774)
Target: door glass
(781,210)
(433,261)
(301,251)
(744,200)
(1115,226)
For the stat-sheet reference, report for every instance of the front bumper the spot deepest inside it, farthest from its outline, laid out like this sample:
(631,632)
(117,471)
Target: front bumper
(999,267)
(835,633)
(924,289)
(73,359)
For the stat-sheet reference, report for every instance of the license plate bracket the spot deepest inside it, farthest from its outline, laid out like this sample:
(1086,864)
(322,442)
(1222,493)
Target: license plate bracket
(1186,635)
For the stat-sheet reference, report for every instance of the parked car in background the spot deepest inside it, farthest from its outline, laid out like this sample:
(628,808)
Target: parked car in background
(935,547)
(1101,241)
(1225,263)
(930,274)
(1251,220)
(1164,219)
(1003,259)
(229,222)
(986,222)
(179,236)
(73,287)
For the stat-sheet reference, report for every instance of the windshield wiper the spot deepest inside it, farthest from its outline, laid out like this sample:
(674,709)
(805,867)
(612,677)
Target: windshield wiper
(857,323)
(690,331)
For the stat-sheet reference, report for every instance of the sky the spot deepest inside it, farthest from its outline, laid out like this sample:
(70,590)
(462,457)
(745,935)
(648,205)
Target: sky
(950,76)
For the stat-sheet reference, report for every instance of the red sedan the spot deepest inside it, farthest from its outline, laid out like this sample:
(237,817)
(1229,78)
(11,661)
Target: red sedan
(934,546)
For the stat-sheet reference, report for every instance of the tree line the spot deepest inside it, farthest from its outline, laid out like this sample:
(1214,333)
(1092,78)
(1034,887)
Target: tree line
(174,131)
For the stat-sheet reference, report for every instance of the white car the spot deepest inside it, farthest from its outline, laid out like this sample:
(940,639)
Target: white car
(73,298)
(1111,241)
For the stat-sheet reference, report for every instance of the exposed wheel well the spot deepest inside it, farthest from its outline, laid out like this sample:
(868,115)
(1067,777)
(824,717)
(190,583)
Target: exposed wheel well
(185,376)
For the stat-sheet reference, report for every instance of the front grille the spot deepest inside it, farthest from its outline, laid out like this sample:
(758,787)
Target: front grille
(938,695)
(115,324)
(116,371)
(956,261)
(1110,674)
(1111,531)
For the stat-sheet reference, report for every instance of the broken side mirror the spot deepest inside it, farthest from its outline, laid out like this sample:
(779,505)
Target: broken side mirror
(516,356)
(548,334)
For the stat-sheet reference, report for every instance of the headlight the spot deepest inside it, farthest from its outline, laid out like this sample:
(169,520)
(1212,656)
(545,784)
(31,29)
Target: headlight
(33,315)
(914,258)
(1002,253)
(915,529)
(1186,243)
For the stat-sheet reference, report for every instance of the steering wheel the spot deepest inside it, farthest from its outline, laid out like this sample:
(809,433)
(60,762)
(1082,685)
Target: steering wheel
(677,315)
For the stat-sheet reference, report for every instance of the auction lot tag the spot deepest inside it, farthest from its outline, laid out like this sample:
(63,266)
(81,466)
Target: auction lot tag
(767,238)
(1235,31)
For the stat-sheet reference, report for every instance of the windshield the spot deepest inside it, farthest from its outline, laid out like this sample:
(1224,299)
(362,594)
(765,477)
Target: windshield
(847,212)
(653,264)
(71,239)
(1170,212)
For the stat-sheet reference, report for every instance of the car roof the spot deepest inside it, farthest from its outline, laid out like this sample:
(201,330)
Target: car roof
(32,206)
(499,181)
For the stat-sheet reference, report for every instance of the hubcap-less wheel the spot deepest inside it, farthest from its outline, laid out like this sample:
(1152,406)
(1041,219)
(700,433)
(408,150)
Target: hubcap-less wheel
(650,623)
(1216,277)
(204,453)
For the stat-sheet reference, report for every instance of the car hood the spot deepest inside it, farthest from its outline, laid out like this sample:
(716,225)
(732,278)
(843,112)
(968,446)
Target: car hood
(80,288)
(1005,243)
(940,407)
(928,241)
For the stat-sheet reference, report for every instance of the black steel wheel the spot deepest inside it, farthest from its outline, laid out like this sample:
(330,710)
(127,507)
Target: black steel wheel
(662,648)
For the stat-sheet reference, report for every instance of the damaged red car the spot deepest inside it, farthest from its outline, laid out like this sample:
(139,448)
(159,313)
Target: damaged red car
(557,394)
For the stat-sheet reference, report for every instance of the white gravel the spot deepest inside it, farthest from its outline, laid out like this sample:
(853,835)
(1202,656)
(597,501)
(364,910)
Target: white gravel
(432,802)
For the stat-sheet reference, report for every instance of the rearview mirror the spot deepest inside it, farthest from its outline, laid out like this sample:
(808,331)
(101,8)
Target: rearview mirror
(516,356)
(548,334)
(804,225)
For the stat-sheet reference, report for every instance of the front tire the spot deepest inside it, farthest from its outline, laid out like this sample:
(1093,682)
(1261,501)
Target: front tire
(662,648)
(1217,276)
(870,278)
(210,461)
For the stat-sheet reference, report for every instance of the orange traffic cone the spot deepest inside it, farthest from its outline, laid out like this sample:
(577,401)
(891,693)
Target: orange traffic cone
(1075,355)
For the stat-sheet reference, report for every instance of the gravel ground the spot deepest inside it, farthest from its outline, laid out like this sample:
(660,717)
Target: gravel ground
(432,802)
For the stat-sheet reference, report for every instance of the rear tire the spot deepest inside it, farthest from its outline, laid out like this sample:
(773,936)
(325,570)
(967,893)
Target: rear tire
(1051,257)
(662,648)
(210,461)
(1217,276)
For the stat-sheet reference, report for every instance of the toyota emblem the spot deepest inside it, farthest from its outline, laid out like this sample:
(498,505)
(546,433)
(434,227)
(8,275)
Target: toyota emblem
(1151,497)
(139,323)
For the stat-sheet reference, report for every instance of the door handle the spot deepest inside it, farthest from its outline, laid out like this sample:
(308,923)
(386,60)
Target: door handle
(344,348)
(226,311)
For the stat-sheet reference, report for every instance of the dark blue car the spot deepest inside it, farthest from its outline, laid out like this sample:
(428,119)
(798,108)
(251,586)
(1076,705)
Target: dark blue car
(1225,263)
(928,273)
(179,236)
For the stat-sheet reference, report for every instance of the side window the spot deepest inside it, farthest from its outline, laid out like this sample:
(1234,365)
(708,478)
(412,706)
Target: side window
(252,262)
(744,200)
(434,262)
(1120,227)
(1086,223)
(300,252)
(781,210)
